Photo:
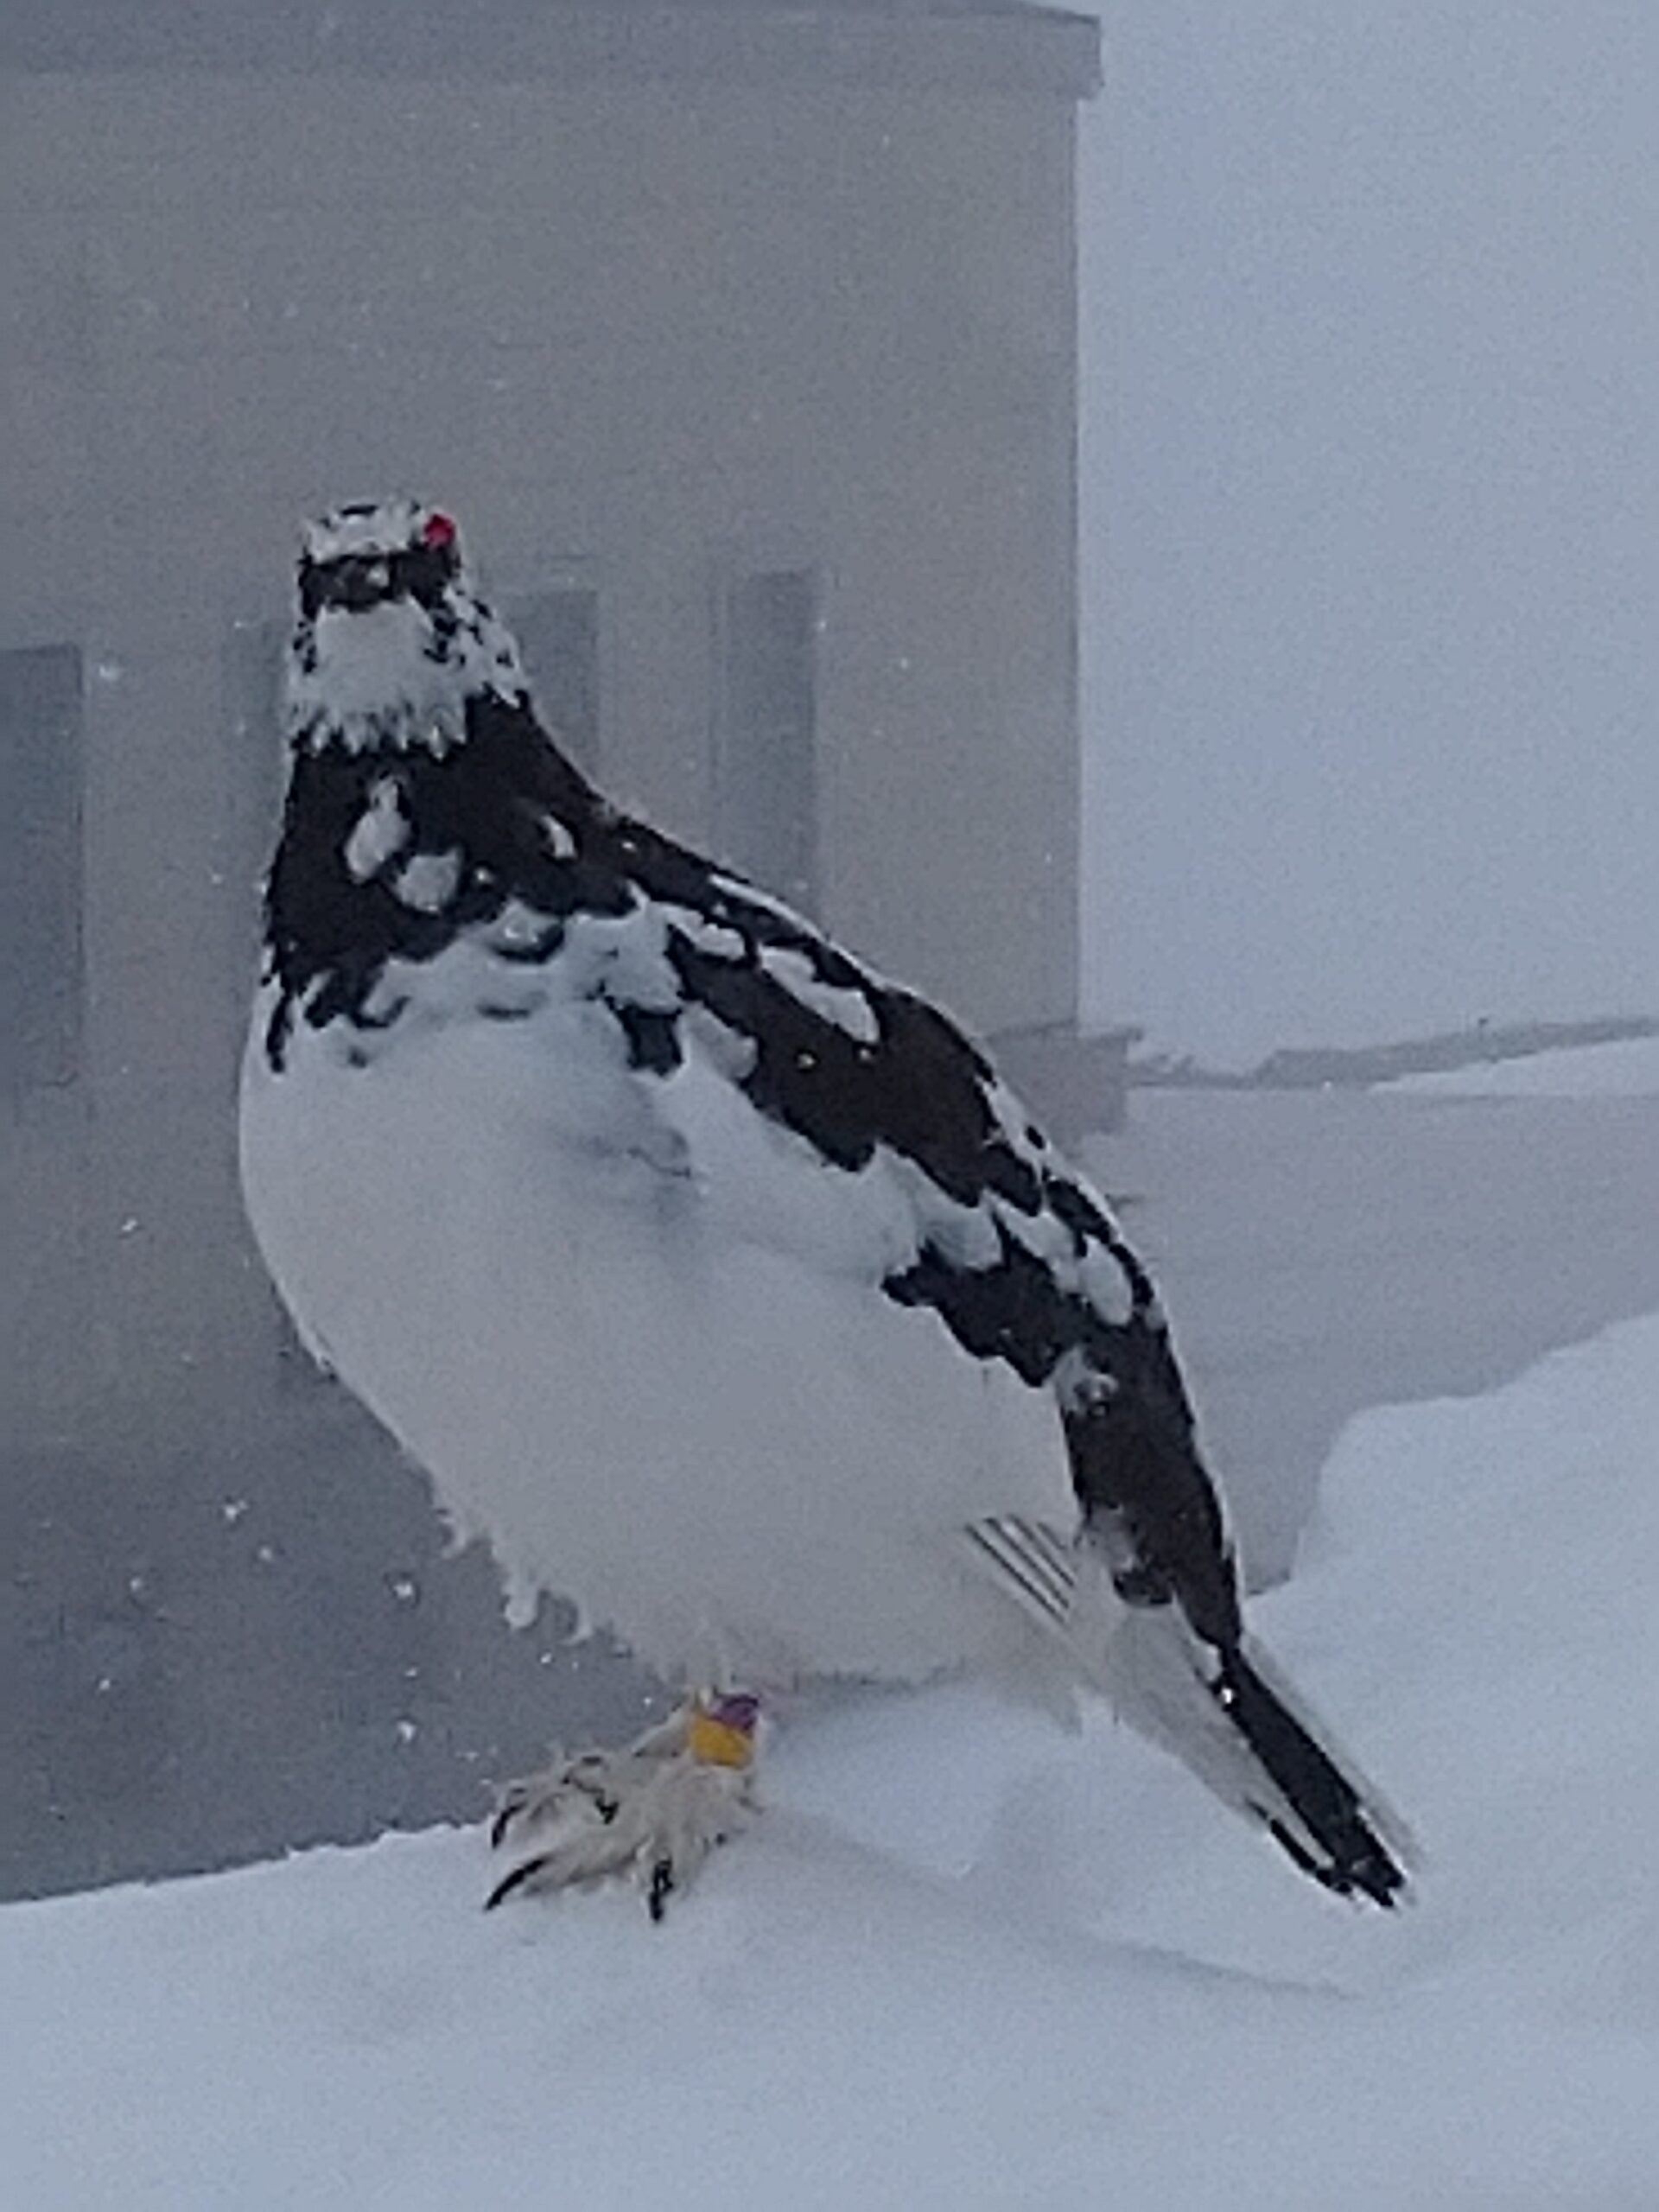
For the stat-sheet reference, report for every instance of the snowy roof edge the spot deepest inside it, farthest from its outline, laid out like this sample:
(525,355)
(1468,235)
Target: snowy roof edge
(989,48)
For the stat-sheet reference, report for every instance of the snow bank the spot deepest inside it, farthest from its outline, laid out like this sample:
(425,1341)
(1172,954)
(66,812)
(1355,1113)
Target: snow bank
(1629,1069)
(969,1961)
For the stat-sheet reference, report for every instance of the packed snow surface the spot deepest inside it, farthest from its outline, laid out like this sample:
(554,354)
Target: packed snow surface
(969,1960)
(1627,1068)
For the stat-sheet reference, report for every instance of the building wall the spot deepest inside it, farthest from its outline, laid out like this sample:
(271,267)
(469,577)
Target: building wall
(655,337)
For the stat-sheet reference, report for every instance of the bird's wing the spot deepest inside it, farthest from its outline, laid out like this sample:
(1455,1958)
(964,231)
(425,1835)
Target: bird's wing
(977,1216)
(1021,1257)
(735,1018)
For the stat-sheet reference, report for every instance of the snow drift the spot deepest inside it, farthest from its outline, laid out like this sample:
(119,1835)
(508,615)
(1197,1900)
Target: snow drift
(1627,1068)
(968,1960)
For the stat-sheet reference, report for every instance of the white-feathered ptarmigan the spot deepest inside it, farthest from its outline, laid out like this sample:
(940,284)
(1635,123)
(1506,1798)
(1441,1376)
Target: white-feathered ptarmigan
(719,1282)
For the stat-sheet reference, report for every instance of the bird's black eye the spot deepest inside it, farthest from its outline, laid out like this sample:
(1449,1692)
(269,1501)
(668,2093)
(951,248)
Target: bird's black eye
(354,582)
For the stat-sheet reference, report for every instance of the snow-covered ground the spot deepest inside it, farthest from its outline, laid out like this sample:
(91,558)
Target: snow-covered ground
(968,1960)
(1629,1069)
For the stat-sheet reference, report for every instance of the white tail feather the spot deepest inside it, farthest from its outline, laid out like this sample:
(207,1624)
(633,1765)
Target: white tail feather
(1174,1688)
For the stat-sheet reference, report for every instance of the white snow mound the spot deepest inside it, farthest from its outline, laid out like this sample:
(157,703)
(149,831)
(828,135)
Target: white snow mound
(968,1962)
(1626,1069)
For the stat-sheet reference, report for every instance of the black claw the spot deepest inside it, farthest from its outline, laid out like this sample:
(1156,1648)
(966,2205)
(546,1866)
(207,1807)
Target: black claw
(662,1888)
(504,1819)
(525,1871)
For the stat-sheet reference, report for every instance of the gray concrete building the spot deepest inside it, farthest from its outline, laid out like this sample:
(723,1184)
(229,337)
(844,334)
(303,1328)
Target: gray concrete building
(742,340)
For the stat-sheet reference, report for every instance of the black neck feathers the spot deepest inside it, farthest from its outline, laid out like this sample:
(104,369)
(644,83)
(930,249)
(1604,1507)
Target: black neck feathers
(387,855)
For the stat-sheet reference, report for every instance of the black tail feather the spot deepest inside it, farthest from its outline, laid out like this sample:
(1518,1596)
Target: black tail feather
(1349,1856)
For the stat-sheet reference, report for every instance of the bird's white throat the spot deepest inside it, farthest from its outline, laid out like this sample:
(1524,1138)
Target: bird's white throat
(393,676)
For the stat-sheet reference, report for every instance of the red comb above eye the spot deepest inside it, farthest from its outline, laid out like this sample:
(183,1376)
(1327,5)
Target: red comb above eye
(438,532)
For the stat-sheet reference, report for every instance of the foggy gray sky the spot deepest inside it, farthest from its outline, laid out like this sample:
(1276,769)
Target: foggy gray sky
(1371,482)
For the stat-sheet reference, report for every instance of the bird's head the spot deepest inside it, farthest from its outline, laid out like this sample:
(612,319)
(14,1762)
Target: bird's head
(391,638)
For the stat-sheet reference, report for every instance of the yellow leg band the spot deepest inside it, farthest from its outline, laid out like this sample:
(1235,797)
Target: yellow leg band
(716,1743)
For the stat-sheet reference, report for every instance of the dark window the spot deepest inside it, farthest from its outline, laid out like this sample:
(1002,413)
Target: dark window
(558,635)
(766,772)
(41,868)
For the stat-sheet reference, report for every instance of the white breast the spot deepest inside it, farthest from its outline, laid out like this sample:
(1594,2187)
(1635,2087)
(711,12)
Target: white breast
(635,1334)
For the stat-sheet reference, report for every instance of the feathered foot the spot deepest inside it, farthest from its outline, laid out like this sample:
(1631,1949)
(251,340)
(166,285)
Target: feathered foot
(655,1809)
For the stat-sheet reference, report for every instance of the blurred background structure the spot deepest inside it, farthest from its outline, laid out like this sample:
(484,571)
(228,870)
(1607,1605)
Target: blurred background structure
(742,339)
